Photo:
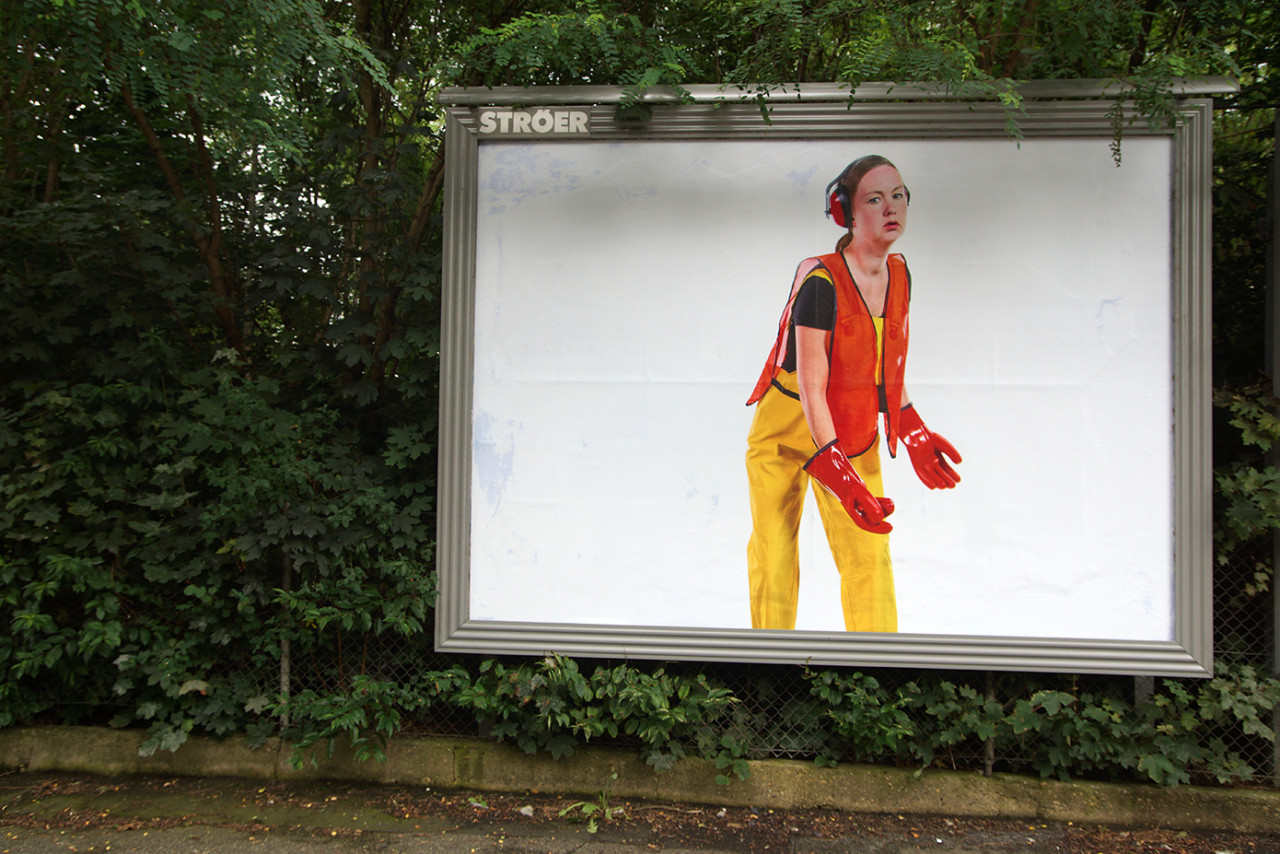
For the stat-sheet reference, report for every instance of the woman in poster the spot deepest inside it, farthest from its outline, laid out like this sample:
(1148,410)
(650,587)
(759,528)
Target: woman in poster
(837,365)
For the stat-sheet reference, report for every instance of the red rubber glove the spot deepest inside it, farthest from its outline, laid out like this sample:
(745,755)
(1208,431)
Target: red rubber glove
(831,468)
(926,450)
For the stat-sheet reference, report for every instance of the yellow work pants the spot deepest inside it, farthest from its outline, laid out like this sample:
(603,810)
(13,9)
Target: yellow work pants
(778,446)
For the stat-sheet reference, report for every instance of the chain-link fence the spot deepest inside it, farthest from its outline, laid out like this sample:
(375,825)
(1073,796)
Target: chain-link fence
(1244,632)
(776,713)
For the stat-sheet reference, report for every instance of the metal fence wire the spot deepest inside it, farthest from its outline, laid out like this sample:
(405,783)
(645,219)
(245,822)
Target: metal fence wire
(775,714)
(1244,634)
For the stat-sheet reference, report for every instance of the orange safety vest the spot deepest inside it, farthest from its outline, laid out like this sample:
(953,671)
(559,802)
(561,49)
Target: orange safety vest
(853,394)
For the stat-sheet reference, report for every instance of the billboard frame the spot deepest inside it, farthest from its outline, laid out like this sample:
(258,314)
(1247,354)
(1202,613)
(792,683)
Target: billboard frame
(879,111)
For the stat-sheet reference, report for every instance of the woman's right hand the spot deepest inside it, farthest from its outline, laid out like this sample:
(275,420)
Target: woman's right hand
(831,468)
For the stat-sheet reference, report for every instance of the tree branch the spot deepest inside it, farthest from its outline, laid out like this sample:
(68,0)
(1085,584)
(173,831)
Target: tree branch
(8,108)
(1014,57)
(208,252)
(1139,53)
(427,199)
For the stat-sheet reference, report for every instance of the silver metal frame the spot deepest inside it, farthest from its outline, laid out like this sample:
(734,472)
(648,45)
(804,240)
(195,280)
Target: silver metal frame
(880,111)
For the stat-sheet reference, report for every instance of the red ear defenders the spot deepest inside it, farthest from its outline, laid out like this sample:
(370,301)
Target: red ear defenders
(838,206)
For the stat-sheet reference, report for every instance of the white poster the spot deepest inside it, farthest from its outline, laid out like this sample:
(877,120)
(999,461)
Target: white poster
(627,295)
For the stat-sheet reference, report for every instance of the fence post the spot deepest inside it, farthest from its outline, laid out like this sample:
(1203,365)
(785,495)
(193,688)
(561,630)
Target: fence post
(286,657)
(1144,689)
(989,746)
(1273,365)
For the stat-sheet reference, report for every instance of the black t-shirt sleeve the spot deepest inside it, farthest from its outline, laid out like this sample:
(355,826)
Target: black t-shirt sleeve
(815,304)
(815,307)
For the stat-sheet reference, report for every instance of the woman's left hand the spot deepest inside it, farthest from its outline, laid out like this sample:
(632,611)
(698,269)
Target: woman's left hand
(927,450)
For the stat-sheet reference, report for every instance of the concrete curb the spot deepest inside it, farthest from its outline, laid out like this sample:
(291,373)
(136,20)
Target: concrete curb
(775,783)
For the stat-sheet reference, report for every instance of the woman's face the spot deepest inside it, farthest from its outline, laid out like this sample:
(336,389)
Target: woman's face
(880,206)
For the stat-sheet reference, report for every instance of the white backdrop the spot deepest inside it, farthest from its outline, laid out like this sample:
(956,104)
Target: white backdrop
(627,295)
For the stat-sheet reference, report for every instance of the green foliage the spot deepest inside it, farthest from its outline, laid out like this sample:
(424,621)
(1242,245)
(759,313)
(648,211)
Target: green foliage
(215,445)
(546,706)
(592,41)
(957,712)
(1184,732)
(1244,150)
(593,812)
(977,49)
(552,706)
(1166,740)
(366,715)
(865,720)
(1180,732)
(1248,487)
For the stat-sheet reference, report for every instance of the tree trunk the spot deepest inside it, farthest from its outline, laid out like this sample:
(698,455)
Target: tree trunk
(209,246)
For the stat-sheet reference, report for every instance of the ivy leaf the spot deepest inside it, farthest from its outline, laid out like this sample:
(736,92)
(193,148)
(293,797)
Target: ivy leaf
(1159,769)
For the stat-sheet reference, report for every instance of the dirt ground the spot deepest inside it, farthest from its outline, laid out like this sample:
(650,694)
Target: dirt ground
(46,802)
(683,826)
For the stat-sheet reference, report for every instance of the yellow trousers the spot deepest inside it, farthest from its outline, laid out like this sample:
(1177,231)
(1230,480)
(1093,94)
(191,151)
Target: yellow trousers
(778,446)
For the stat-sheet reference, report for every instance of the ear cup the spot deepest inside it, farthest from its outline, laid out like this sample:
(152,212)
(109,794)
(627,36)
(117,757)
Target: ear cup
(838,204)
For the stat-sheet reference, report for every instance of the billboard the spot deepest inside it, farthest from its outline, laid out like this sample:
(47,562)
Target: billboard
(613,292)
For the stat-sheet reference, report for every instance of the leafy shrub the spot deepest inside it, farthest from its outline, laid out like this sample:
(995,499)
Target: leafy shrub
(1179,733)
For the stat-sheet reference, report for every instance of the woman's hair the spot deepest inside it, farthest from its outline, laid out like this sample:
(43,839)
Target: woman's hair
(848,181)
